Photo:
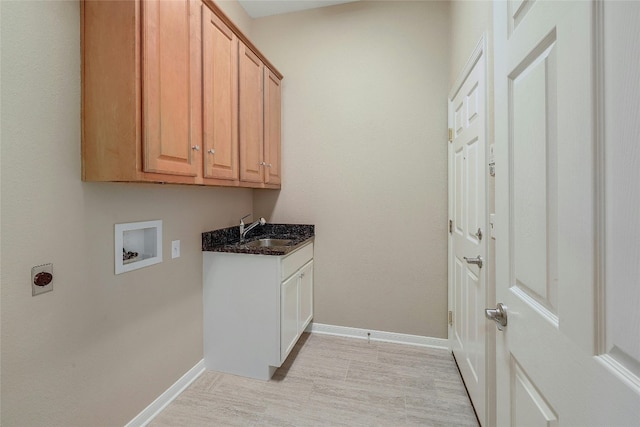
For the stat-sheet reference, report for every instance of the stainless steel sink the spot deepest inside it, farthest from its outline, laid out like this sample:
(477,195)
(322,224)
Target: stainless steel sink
(268,243)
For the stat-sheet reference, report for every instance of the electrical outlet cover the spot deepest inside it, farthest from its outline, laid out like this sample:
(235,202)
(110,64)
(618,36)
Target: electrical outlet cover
(42,274)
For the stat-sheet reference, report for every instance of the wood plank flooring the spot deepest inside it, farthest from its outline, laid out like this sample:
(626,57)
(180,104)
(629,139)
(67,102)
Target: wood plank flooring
(332,381)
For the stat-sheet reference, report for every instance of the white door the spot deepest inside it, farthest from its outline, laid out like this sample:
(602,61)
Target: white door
(558,361)
(467,204)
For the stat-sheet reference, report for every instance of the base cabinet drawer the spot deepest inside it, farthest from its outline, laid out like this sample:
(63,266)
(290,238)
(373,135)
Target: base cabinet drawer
(294,261)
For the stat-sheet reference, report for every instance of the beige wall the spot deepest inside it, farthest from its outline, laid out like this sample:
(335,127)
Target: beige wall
(364,154)
(237,14)
(100,347)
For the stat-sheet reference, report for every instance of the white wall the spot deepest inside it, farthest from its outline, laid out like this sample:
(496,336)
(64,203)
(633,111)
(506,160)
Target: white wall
(364,157)
(99,348)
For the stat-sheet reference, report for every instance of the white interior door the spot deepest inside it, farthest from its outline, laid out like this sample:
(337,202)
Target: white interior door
(467,206)
(557,362)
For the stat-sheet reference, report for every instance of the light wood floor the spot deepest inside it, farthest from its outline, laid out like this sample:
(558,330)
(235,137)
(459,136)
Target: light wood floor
(332,381)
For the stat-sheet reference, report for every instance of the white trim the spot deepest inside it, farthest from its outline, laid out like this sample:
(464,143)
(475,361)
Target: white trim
(151,411)
(393,337)
(600,179)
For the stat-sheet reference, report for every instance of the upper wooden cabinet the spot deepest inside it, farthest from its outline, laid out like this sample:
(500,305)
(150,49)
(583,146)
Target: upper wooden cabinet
(260,119)
(251,116)
(170,87)
(164,97)
(272,127)
(220,98)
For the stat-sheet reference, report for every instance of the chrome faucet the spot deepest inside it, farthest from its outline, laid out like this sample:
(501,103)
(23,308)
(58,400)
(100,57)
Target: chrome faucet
(244,231)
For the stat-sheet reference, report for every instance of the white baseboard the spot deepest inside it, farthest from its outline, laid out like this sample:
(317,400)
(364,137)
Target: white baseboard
(393,337)
(151,411)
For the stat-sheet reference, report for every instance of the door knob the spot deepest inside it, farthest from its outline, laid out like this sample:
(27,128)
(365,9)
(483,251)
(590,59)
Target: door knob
(477,261)
(498,315)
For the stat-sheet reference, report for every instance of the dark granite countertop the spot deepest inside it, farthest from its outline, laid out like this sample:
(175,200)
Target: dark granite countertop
(228,239)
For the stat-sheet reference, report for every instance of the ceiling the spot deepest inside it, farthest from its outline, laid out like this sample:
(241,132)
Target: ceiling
(260,8)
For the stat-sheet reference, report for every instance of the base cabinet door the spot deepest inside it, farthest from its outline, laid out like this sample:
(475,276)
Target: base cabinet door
(288,315)
(305,294)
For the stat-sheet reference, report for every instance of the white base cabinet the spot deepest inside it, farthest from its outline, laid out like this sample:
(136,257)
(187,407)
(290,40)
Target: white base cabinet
(255,309)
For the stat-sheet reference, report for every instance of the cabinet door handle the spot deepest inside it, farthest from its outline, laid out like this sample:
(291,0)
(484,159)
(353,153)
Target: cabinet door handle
(211,151)
(195,148)
(269,165)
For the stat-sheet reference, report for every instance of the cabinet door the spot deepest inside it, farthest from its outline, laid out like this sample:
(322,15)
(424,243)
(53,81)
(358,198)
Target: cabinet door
(251,116)
(288,315)
(305,292)
(168,79)
(272,127)
(220,98)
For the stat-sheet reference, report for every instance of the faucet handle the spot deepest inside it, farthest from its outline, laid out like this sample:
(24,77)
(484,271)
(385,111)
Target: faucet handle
(246,216)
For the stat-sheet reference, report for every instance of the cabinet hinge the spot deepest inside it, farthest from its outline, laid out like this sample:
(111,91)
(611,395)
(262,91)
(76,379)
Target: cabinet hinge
(450,317)
(450,226)
(450,135)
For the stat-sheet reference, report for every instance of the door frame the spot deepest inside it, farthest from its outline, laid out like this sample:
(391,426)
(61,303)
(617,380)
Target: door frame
(480,51)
